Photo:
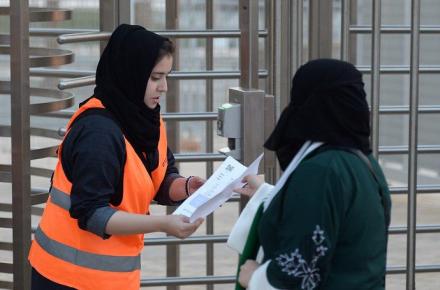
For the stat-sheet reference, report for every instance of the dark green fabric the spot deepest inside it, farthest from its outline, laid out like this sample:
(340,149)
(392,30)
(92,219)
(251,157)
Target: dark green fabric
(326,228)
(252,245)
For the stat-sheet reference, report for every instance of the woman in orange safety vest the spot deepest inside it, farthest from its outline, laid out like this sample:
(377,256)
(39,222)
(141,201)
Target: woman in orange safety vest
(113,161)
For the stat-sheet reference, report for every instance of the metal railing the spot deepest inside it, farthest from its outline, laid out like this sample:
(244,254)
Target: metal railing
(285,51)
(376,29)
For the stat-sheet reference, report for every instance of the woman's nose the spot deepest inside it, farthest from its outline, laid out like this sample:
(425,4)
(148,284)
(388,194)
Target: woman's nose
(163,87)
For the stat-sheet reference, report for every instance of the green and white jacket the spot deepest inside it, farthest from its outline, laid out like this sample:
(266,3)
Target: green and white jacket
(322,226)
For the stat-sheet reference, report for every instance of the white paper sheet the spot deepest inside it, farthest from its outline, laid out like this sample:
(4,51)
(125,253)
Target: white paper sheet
(217,189)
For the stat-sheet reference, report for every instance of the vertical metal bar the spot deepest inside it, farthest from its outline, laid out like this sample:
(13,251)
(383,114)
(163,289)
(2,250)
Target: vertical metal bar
(209,134)
(412,158)
(173,130)
(249,43)
(269,102)
(283,53)
(20,142)
(320,28)
(269,46)
(299,33)
(124,12)
(270,163)
(352,37)
(345,29)
(108,17)
(172,104)
(375,77)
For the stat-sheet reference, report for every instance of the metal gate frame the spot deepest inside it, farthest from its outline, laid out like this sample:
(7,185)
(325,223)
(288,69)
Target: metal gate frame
(284,53)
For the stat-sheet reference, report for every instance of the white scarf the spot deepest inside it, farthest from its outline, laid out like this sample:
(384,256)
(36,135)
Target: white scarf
(265,193)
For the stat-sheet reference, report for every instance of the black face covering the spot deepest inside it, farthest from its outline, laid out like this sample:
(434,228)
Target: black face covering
(327,104)
(121,80)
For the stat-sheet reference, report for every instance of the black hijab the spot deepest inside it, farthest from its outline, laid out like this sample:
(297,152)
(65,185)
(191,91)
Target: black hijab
(121,80)
(327,104)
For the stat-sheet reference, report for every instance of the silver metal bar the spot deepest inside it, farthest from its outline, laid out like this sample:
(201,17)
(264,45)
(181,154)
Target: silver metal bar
(403,149)
(299,33)
(208,74)
(20,141)
(173,130)
(6,285)
(283,45)
(375,77)
(209,18)
(5,223)
(182,281)
(395,29)
(199,116)
(320,29)
(39,198)
(60,73)
(248,21)
(61,100)
(5,246)
(412,157)
(399,110)
(392,270)
(90,80)
(186,75)
(5,131)
(401,69)
(191,240)
(77,82)
(44,32)
(44,152)
(199,157)
(269,46)
(108,20)
(421,229)
(345,29)
(104,36)
(421,189)
(168,117)
(353,51)
(6,267)
(40,57)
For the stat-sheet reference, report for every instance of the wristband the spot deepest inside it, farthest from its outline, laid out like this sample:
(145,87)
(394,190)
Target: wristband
(187,185)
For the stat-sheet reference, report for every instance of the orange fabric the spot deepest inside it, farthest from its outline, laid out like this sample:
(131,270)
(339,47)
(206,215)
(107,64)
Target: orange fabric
(138,191)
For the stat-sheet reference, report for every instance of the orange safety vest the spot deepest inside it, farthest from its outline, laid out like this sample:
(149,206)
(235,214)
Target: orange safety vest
(68,255)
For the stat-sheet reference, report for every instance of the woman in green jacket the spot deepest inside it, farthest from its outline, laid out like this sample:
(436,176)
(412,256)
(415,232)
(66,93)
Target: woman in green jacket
(324,224)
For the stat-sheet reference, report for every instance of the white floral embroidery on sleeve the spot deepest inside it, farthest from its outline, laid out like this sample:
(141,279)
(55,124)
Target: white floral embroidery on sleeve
(294,264)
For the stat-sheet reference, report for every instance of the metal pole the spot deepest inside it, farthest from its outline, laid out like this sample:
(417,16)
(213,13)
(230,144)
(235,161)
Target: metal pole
(108,17)
(111,14)
(352,41)
(320,29)
(249,43)
(283,53)
(375,77)
(20,142)
(269,45)
(412,158)
(209,134)
(172,104)
(345,29)
(299,31)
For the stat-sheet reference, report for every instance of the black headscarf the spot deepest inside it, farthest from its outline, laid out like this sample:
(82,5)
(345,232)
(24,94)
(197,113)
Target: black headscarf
(327,104)
(121,80)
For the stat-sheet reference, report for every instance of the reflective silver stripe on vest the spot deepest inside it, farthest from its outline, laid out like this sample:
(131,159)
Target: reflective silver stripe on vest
(60,198)
(85,259)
